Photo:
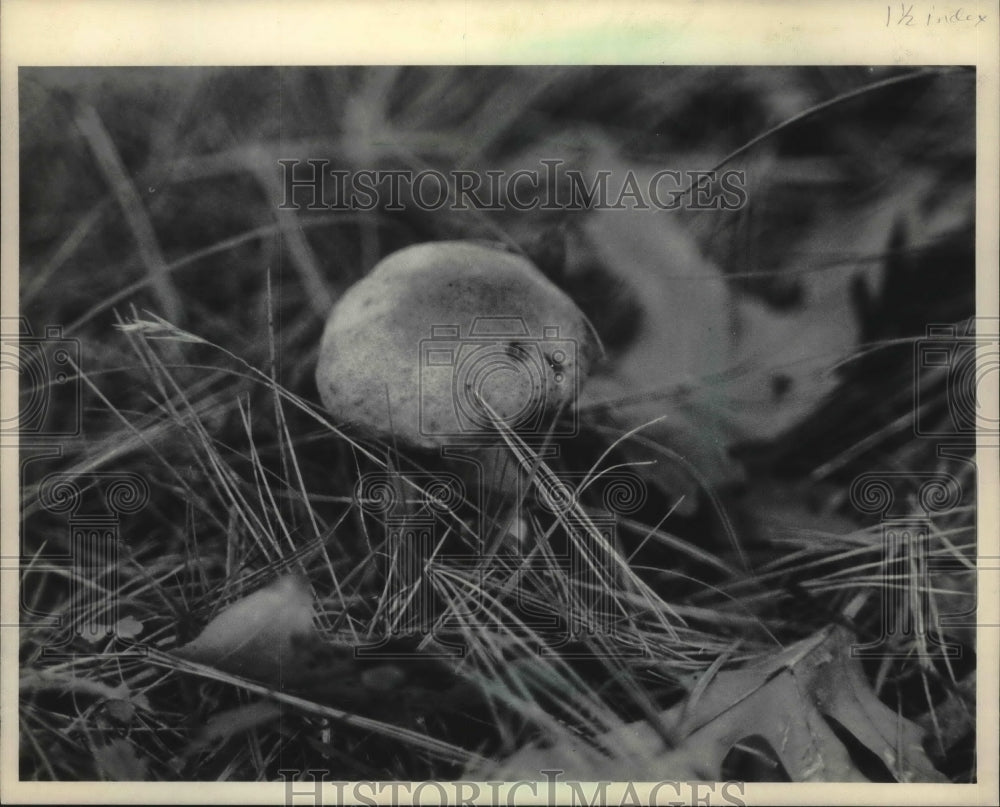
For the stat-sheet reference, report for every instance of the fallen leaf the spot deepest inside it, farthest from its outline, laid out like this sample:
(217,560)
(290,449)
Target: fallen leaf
(100,632)
(118,761)
(121,711)
(254,636)
(269,637)
(128,628)
(953,718)
(223,725)
(791,700)
(715,366)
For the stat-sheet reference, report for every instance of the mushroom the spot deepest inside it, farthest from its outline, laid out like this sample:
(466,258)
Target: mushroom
(441,339)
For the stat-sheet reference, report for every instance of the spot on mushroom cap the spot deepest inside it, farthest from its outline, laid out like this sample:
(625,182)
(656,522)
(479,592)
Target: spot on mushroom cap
(412,349)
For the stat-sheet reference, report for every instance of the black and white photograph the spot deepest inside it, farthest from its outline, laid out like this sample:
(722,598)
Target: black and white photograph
(560,428)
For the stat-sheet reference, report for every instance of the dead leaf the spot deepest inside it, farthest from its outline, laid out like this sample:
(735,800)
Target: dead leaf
(223,725)
(269,637)
(716,366)
(128,628)
(788,699)
(953,718)
(120,711)
(99,632)
(118,761)
(254,636)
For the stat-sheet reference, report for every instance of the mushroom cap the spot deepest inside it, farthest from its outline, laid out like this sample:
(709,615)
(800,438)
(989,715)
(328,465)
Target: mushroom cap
(413,349)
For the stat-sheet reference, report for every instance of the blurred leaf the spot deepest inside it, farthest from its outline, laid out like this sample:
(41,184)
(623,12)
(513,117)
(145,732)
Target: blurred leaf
(223,725)
(792,700)
(254,636)
(128,628)
(952,719)
(119,762)
(121,711)
(269,636)
(712,354)
(718,367)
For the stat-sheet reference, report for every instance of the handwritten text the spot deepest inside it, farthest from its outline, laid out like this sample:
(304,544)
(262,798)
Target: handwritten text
(909,15)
